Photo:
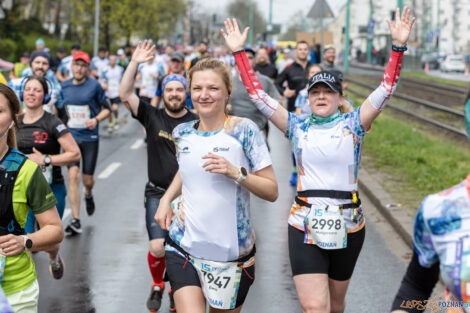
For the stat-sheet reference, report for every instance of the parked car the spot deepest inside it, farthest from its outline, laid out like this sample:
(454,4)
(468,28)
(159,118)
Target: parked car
(433,60)
(453,63)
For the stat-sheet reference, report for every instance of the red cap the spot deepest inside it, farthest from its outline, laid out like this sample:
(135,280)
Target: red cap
(82,56)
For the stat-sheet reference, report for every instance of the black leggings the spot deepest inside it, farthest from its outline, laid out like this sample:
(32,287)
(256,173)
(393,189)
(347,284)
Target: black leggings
(417,285)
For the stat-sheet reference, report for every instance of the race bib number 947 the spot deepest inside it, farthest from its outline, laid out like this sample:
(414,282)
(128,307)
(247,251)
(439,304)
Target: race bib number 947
(220,282)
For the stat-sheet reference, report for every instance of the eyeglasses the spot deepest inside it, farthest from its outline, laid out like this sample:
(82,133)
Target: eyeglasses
(81,65)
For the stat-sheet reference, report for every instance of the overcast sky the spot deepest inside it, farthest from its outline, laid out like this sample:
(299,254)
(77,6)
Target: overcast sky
(283,10)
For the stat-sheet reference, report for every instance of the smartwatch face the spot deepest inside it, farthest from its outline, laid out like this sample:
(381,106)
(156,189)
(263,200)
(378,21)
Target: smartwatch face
(29,243)
(243,171)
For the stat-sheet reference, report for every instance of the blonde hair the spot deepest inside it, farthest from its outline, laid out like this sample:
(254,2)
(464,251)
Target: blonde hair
(213,65)
(14,106)
(345,106)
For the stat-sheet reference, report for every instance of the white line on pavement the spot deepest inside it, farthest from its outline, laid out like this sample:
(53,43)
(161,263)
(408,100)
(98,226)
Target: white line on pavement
(137,144)
(67,213)
(109,170)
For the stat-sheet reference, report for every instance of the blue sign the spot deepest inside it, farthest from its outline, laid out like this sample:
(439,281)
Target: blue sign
(370,27)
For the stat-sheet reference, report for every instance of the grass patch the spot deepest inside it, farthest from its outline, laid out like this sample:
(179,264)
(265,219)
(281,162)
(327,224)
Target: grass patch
(410,164)
(424,76)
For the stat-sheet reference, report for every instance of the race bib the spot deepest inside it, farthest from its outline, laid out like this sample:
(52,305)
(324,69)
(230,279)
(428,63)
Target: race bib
(78,114)
(113,86)
(148,81)
(220,282)
(47,173)
(325,227)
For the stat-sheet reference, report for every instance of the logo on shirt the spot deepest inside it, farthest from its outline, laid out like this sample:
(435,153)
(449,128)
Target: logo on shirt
(185,150)
(61,127)
(221,149)
(41,138)
(165,135)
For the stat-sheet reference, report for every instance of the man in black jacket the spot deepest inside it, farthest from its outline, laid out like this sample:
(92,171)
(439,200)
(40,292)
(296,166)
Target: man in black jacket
(294,75)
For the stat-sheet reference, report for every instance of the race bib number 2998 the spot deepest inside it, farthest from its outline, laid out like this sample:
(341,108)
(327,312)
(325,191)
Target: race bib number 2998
(326,227)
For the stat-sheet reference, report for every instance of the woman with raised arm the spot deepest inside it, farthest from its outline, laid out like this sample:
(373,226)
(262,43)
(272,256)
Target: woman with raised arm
(222,159)
(326,224)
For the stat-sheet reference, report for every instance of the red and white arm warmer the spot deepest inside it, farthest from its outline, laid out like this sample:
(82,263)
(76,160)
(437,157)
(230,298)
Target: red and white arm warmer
(260,99)
(380,96)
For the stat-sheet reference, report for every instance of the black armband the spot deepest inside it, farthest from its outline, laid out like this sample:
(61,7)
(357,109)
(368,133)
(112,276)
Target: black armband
(399,49)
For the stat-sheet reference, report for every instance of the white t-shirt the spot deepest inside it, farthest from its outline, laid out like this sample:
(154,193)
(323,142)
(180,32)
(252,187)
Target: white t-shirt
(99,64)
(214,220)
(149,80)
(327,157)
(112,77)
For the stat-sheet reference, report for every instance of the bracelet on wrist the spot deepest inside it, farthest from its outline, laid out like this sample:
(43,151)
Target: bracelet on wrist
(238,51)
(399,49)
(97,120)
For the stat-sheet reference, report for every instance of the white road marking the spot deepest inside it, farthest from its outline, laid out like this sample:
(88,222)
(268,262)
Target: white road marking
(137,144)
(109,170)
(67,213)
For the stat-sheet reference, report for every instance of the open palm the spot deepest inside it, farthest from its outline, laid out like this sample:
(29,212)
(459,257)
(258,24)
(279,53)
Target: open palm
(144,51)
(400,31)
(233,38)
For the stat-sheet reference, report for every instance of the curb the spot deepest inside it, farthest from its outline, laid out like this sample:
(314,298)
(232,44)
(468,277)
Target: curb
(396,216)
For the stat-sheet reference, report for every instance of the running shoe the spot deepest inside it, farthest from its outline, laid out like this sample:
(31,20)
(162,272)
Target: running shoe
(155,299)
(57,268)
(90,205)
(172,301)
(110,127)
(74,227)
(293,179)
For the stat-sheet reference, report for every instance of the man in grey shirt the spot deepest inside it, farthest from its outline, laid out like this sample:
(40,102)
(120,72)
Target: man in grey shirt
(240,102)
(329,57)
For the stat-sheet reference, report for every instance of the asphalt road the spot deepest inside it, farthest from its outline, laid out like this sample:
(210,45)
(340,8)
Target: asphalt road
(106,266)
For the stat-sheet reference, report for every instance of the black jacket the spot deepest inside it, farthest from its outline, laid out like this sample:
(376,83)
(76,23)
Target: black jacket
(295,75)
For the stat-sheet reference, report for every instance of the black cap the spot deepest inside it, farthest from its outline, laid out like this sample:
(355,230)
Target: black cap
(328,78)
(339,74)
(61,50)
(177,56)
(249,49)
(25,55)
(76,47)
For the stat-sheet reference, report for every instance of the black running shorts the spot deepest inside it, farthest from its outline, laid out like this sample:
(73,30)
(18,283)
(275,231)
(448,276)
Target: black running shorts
(311,259)
(89,151)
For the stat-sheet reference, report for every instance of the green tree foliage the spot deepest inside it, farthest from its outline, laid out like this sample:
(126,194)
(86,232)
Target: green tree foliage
(127,18)
(240,9)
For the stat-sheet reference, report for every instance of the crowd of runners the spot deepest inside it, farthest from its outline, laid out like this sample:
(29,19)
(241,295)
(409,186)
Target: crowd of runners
(205,115)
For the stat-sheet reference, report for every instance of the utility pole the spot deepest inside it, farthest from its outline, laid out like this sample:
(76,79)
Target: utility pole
(97,27)
(270,20)
(346,39)
(425,29)
(370,36)
(400,5)
(250,33)
(438,26)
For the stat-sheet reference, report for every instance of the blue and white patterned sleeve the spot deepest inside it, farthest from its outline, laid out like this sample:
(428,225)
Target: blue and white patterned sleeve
(422,240)
(354,123)
(292,122)
(302,99)
(254,146)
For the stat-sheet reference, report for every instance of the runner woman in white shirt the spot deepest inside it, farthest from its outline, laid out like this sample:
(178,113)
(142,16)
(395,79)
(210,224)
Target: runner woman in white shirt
(210,249)
(326,225)
(110,79)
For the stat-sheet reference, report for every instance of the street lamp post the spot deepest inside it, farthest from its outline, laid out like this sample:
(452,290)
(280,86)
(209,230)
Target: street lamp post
(250,32)
(370,36)
(97,27)
(346,40)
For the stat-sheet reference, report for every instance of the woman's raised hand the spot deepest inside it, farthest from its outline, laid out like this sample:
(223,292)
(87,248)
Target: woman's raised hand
(144,51)
(401,30)
(233,38)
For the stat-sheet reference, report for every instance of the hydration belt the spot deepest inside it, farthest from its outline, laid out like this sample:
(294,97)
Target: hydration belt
(243,259)
(9,170)
(333,194)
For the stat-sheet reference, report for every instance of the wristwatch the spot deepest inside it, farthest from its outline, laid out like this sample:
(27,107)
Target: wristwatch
(47,160)
(242,177)
(28,243)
